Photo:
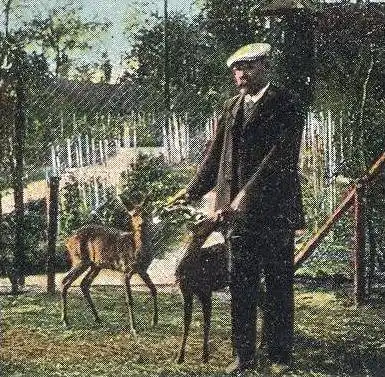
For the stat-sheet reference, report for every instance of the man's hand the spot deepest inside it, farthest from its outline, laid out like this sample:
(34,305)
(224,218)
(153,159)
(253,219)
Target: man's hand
(225,215)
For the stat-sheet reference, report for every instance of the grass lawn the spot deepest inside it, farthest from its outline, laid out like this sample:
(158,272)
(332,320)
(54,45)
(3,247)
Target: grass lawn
(332,337)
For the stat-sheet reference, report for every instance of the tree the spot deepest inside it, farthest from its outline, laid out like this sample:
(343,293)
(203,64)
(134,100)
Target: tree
(106,67)
(231,22)
(192,74)
(350,65)
(62,33)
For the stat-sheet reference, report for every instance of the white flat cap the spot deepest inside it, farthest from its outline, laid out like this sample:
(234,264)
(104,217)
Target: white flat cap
(249,52)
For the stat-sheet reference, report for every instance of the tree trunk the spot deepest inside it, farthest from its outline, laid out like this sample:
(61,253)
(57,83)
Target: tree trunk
(53,208)
(167,96)
(20,128)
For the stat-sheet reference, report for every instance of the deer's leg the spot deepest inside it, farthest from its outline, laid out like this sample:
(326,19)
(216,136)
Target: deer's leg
(72,275)
(85,287)
(205,299)
(187,307)
(127,279)
(146,278)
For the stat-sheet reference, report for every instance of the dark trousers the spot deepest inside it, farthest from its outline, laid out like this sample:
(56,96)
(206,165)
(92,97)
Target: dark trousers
(270,250)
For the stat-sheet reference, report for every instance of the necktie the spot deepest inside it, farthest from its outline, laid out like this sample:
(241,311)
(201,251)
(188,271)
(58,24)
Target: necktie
(248,108)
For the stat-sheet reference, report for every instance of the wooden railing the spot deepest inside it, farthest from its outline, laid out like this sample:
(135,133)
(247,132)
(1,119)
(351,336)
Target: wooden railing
(356,198)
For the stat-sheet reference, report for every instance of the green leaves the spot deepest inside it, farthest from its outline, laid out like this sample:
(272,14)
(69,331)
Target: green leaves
(62,32)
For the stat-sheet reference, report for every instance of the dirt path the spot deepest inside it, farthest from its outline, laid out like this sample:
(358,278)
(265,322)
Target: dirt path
(110,172)
(161,271)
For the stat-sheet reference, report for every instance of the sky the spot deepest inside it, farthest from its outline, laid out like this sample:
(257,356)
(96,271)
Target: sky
(116,11)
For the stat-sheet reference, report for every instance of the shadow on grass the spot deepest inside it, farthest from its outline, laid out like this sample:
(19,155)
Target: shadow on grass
(331,339)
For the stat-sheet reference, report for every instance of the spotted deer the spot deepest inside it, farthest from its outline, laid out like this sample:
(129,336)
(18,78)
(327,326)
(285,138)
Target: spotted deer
(97,247)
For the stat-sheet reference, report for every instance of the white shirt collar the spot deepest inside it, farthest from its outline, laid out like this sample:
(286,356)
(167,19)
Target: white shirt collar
(256,97)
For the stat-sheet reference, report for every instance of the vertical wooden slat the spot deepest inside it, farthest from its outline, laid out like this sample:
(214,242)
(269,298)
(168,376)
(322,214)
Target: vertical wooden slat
(69,153)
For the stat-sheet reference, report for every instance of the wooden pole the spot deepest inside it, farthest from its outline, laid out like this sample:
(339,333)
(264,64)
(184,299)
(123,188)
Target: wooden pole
(20,126)
(106,150)
(134,137)
(310,246)
(77,155)
(57,156)
(93,151)
(187,128)
(165,143)
(171,144)
(80,148)
(359,245)
(88,149)
(53,210)
(96,191)
(167,95)
(101,151)
(126,134)
(53,160)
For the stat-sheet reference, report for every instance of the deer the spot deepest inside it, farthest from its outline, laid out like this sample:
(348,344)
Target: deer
(202,271)
(96,247)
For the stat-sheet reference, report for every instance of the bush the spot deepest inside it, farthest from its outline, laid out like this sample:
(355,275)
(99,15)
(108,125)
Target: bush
(151,182)
(35,224)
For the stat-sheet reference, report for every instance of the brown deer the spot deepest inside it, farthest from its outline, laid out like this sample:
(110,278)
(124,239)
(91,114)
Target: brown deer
(201,271)
(96,247)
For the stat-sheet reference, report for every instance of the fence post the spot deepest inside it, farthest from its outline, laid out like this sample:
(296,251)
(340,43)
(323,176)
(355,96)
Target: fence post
(80,148)
(69,153)
(52,232)
(93,151)
(165,143)
(54,160)
(359,245)
(88,149)
(126,134)
(101,153)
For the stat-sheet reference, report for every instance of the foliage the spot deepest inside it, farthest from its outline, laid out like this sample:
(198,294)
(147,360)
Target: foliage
(350,62)
(331,337)
(35,223)
(149,184)
(27,49)
(376,219)
(231,22)
(193,73)
(62,32)
(153,181)
(73,211)
(111,213)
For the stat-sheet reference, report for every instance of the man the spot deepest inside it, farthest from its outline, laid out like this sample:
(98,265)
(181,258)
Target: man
(253,159)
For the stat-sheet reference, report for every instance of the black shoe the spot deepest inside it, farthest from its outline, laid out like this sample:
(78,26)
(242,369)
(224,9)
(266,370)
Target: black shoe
(238,367)
(284,358)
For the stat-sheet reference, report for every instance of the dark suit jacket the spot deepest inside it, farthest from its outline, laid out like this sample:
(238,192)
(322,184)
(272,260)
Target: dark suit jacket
(276,197)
